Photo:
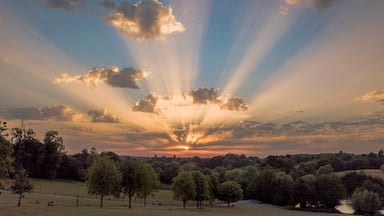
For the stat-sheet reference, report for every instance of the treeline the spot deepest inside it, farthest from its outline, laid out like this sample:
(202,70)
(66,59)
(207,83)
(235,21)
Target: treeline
(307,180)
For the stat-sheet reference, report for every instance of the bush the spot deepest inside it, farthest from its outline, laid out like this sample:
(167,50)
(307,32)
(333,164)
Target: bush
(364,201)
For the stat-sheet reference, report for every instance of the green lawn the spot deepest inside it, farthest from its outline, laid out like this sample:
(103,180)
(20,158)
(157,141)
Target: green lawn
(36,204)
(64,194)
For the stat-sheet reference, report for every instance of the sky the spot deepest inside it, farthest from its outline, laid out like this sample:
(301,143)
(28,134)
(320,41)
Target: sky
(201,77)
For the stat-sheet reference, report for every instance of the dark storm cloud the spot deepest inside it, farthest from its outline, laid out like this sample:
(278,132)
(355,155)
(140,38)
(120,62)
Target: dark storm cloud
(59,113)
(113,76)
(102,116)
(147,19)
(68,5)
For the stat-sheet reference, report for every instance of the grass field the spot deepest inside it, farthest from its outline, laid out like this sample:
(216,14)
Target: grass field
(372,172)
(64,193)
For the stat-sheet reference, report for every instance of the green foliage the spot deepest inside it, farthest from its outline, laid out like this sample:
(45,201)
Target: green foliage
(213,183)
(353,180)
(201,186)
(28,151)
(53,151)
(329,190)
(149,181)
(262,188)
(229,191)
(184,187)
(325,169)
(364,201)
(132,177)
(21,184)
(103,178)
(6,151)
(283,189)
(304,191)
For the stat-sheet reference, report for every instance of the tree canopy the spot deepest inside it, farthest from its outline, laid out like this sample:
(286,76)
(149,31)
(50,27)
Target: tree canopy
(184,187)
(103,178)
(21,184)
(229,191)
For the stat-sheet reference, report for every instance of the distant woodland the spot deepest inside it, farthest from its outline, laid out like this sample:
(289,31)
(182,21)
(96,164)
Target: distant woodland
(308,181)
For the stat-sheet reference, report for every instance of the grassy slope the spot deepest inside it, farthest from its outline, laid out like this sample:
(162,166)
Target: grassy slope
(372,172)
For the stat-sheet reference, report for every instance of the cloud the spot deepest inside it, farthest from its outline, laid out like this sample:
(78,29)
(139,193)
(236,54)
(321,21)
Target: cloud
(143,20)
(68,5)
(205,96)
(322,5)
(103,116)
(199,96)
(319,5)
(148,104)
(235,104)
(108,4)
(112,75)
(374,97)
(59,113)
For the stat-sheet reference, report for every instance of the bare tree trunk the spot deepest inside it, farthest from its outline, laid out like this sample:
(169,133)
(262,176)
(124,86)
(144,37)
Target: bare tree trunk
(20,195)
(101,200)
(145,200)
(129,200)
(184,201)
(228,204)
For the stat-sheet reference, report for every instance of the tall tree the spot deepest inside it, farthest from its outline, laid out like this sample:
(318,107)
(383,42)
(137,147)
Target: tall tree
(304,190)
(103,178)
(131,178)
(149,182)
(329,190)
(229,191)
(21,184)
(202,187)
(28,151)
(54,148)
(365,202)
(184,187)
(6,151)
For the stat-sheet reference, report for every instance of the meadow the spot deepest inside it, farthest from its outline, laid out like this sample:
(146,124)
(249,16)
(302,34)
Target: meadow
(64,194)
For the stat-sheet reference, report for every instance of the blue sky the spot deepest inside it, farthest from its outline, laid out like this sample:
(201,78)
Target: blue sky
(155,77)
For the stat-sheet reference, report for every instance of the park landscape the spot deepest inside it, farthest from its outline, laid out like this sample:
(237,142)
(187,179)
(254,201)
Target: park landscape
(191,107)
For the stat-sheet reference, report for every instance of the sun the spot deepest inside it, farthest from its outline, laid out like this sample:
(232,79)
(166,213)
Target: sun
(184,147)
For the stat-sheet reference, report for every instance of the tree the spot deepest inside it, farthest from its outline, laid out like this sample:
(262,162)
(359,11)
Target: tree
(184,187)
(263,187)
(149,182)
(202,187)
(283,189)
(364,201)
(213,182)
(329,190)
(382,167)
(229,191)
(103,178)
(21,184)
(326,169)
(53,152)
(304,190)
(28,151)
(6,151)
(131,178)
